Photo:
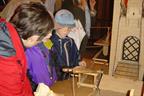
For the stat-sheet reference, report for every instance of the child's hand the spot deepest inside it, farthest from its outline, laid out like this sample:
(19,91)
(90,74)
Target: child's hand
(92,4)
(82,63)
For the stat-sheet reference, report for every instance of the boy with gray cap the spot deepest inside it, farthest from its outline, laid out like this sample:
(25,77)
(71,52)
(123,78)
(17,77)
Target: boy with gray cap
(64,47)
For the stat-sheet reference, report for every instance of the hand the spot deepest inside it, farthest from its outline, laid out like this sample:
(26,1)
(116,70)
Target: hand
(92,4)
(82,63)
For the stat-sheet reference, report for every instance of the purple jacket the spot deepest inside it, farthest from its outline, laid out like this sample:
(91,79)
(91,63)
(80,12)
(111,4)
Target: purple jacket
(39,65)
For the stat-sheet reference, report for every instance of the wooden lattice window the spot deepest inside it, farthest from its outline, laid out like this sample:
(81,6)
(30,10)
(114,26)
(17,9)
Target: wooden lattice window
(131,49)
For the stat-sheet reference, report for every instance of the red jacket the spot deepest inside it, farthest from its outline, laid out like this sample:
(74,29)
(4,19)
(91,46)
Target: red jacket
(13,67)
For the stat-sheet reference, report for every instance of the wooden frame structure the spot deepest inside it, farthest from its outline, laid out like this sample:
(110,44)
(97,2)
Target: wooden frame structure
(103,42)
(81,73)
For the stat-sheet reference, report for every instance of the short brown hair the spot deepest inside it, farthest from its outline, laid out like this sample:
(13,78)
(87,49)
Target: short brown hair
(32,19)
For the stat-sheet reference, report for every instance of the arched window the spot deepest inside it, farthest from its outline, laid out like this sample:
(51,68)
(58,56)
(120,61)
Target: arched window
(131,49)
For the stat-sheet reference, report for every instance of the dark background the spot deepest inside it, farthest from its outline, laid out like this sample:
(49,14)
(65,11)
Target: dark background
(103,18)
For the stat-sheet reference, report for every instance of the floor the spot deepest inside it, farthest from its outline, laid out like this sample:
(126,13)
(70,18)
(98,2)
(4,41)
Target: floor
(65,87)
(109,86)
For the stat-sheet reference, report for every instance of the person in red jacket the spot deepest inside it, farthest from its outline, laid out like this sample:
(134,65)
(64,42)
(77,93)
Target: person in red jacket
(29,25)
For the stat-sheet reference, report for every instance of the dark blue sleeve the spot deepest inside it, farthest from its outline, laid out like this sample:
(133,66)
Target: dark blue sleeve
(74,55)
